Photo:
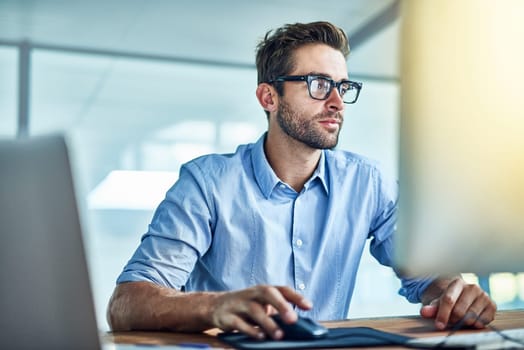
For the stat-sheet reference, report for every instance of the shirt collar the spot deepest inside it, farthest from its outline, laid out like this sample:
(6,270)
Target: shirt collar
(320,172)
(266,178)
(264,174)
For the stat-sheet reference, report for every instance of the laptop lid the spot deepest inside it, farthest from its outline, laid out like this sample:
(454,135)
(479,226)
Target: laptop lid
(45,295)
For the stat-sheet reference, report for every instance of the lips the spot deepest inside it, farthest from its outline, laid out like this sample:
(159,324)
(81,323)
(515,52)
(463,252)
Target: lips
(330,118)
(330,125)
(330,121)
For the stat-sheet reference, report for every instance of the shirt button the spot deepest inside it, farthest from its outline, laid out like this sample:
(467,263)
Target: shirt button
(301,286)
(299,243)
(282,186)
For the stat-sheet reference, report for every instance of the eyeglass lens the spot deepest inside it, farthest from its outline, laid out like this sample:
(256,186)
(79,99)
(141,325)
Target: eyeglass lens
(320,88)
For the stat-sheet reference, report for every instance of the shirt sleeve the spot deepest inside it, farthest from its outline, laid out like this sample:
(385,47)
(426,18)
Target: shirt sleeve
(382,230)
(180,232)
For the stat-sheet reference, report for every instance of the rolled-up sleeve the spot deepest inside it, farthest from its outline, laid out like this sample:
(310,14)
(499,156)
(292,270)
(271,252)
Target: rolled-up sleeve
(179,234)
(413,288)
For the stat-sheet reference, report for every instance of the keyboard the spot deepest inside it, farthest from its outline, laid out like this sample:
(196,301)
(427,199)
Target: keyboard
(478,341)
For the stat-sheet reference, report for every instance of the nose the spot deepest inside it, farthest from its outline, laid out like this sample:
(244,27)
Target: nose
(334,101)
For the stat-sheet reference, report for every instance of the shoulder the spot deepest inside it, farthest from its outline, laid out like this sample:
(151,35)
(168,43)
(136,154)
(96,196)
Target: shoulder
(217,163)
(345,160)
(352,167)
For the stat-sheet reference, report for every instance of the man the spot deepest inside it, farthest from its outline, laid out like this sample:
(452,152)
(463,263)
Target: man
(280,222)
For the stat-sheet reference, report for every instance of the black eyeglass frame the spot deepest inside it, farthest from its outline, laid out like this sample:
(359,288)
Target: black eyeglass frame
(333,84)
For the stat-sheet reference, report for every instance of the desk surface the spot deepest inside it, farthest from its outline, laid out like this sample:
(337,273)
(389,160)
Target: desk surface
(413,326)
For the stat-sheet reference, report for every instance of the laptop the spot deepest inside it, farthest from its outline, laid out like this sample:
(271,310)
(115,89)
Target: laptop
(45,294)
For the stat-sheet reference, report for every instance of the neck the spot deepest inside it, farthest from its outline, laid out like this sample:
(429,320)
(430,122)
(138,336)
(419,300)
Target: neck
(292,161)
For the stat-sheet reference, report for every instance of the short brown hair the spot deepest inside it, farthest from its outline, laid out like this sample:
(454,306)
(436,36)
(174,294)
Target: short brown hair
(275,52)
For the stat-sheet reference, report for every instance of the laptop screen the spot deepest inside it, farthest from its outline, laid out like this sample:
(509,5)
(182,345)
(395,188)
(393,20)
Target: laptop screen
(45,295)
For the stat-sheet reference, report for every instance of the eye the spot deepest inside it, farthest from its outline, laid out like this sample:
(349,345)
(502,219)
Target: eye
(344,87)
(321,84)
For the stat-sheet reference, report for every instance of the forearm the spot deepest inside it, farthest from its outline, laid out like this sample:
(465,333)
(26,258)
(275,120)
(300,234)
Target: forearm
(146,306)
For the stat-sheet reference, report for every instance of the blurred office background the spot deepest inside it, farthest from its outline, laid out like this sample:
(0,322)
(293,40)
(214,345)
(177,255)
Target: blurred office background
(142,86)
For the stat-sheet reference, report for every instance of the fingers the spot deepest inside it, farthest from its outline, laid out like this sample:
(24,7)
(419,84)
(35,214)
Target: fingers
(247,310)
(484,310)
(241,311)
(448,302)
(259,324)
(279,298)
(463,302)
(430,311)
(239,323)
(270,310)
(290,296)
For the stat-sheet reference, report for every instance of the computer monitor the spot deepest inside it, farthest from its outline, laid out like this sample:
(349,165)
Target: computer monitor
(461,173)
(45,291)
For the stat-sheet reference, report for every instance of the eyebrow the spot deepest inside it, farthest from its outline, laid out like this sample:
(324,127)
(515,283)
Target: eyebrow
(326,75)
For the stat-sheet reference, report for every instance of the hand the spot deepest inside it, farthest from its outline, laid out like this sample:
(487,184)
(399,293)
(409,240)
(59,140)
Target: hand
(246,309)
(457,300)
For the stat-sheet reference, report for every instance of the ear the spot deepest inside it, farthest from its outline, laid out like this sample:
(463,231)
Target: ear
(267,97)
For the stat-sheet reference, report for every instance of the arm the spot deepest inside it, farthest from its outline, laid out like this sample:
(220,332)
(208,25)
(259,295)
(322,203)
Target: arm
(446,299)
(449,300)
(146,306)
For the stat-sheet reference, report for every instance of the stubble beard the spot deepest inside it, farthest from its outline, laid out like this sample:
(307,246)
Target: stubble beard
(305,130)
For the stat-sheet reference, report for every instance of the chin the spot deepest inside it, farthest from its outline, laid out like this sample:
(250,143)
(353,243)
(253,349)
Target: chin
(330,143)
(323,145)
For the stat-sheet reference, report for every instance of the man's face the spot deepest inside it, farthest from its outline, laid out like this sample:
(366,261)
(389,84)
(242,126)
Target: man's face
(315,123)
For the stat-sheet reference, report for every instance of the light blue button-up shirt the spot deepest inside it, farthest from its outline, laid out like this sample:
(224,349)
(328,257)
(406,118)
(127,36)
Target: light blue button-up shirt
(229,223)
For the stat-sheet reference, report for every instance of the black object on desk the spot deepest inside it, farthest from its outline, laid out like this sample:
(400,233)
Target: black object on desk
(336,338)
(303,329)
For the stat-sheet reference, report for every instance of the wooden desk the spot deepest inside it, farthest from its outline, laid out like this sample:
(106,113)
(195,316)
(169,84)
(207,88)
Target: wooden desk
(413,326)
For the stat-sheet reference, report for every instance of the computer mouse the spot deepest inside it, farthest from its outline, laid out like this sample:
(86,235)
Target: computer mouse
(303,329)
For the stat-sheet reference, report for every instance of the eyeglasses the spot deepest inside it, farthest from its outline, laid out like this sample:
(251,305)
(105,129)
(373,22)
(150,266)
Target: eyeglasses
(320,87)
